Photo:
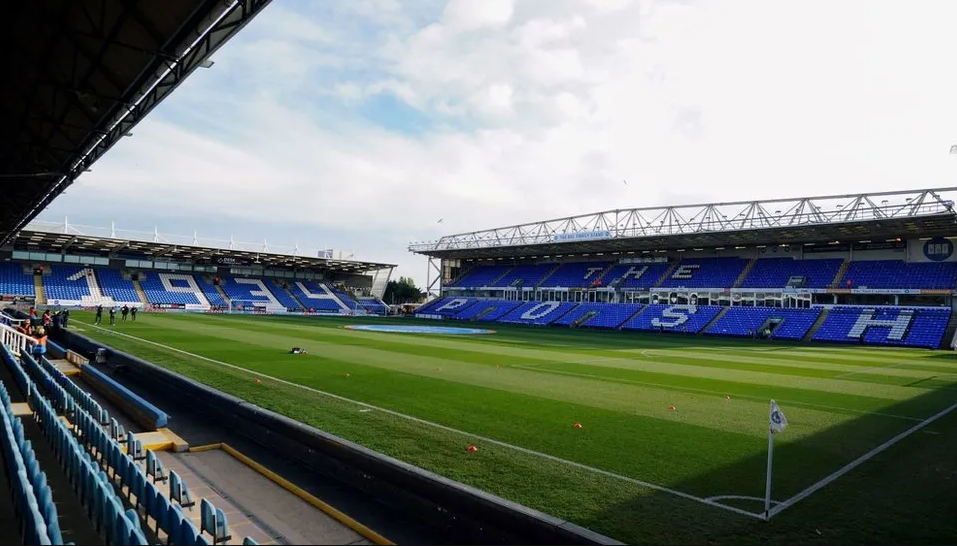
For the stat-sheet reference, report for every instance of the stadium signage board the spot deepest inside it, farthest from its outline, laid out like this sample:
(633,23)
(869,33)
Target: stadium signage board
(581,236)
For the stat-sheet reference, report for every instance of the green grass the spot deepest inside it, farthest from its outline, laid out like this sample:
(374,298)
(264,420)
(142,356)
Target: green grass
(527,387)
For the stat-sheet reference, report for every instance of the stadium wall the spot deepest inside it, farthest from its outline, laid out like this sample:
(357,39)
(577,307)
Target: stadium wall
(472,514)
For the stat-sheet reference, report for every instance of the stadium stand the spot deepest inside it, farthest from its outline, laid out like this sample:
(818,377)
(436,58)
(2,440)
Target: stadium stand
(282,295)
(68,283)
(780,272)
(599,315)
(170,288)
(674,318)
(209,290)
(481,275)
(316,296)
(113,285)
(746,321)
(538,312)
(488,310)
(248,290)
(110,488)
(576,275)
(899,274)
(525,275)
(14,281)
(909,327)
(706,273)
(635,276)
(372,305)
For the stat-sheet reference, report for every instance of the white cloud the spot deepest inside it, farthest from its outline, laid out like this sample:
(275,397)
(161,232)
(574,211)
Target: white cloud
(538,109)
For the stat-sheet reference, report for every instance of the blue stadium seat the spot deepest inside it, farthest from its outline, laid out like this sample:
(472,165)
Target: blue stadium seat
(576,275)
(635,276)
(900,274)
(706,273)
(316,296)
(14,281)
(113,284)
(673,318)
(537,312)
(776,272)
(68,283)
(209,290)
(480,275)
(606,315)
(908,327)
(742,321)
(525,275)
(170,288)
(487,310)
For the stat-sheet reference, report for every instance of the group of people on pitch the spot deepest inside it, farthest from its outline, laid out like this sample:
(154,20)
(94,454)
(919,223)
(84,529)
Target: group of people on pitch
(124,311)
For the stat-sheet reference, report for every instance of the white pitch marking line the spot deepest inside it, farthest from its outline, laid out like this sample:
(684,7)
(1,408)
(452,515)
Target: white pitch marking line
(499,443)
(858,461)
(739,497)
(705,391)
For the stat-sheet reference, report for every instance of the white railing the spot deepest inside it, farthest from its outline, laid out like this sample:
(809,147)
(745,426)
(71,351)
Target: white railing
(14,340)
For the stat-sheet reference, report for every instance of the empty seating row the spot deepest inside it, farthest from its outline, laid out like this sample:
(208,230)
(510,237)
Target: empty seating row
(113,284)
(784,323)
(68,283)
(14,281)
(121,469)
(910,327)
(916,327)
(32,497)
(722,272)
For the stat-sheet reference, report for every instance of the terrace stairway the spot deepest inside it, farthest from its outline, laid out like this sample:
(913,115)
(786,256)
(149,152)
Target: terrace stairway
(550,273)
(840,274)
(817,324)
(294,298)
(950,333)
(140,292)
(500,277)
(712,321)
(222,293)
(41,293)
(668,273)
(745,272)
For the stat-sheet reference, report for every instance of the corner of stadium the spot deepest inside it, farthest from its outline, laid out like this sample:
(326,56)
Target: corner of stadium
(599,379)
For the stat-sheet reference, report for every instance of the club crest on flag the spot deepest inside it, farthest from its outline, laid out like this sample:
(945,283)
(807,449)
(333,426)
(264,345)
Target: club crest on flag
(777,419)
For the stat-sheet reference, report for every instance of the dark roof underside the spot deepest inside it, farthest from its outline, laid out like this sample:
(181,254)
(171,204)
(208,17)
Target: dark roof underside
(943,225)
(73,68)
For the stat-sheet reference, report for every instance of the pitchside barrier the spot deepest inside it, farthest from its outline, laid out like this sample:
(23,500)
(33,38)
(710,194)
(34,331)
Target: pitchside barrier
(467,512)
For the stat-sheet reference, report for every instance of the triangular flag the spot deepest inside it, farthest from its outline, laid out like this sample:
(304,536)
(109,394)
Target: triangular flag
(777,419)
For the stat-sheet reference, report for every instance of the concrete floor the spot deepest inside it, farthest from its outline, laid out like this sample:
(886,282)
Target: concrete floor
(254,505)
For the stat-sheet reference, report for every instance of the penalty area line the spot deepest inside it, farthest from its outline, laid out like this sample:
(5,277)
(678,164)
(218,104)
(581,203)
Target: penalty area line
(607,473)
(858,461)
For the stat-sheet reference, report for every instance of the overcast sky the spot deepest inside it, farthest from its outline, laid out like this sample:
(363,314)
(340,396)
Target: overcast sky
(359,124)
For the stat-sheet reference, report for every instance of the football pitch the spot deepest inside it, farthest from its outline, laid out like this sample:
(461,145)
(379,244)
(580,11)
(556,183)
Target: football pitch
(672,446)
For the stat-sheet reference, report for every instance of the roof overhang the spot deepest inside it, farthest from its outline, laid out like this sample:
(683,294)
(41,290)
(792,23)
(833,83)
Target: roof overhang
(85,245)
(80,75)
(876,217)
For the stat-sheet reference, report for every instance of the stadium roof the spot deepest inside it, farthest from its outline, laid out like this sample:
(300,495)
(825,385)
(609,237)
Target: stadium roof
(37,238)
(875,217)
(80,74)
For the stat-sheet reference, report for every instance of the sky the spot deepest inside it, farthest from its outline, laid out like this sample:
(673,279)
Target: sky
(359,125)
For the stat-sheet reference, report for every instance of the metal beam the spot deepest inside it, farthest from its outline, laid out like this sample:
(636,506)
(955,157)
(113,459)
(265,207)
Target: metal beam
(715,218)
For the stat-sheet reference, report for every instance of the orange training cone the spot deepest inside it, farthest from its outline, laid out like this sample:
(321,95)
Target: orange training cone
(259,382)
(727,398)
(472,449)
(578,425)
(672,408)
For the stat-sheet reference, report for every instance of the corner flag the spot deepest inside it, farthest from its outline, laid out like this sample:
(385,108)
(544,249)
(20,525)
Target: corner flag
(777,419)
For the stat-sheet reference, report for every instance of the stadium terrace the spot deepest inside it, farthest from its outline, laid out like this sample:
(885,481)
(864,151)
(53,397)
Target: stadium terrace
(876,269)
(61,267)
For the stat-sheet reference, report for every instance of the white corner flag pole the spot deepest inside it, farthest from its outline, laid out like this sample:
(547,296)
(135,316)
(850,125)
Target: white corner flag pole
(777,422)
(767,485)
